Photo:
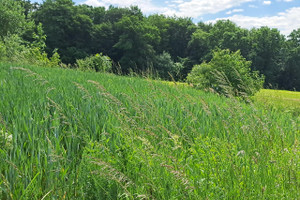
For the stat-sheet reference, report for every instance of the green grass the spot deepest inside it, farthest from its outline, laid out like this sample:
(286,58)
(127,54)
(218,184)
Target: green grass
(78,135)
(286,101)
(282,100)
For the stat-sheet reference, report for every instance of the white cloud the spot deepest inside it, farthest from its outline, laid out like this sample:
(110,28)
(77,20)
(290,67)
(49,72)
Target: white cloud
(145,5)
(178,1)
(94,3)
(253,6)
(181,8)
(267,2)
(196,8)
(234,11)
(286,21)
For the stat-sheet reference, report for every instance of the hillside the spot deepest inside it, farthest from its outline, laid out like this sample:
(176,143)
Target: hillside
(67,134)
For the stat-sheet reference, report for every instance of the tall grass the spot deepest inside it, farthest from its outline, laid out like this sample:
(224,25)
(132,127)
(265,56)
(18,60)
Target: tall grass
(78,135)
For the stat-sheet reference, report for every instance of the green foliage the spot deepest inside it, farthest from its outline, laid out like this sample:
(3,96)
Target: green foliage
(227,35)
(199,46)
(14,49)
(179,32)
(38,57)
(54,60)
(16,43)
(39,38)
(135,43)
(201,76)
(166,67)
(290,76)
(227,73)
(12,19)
(68,28)
(2,50)
(97,63)
(266,53)
(85,135)
(104,38)
(290,73)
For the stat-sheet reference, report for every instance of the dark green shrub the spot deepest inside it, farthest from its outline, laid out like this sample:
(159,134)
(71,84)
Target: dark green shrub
(98,63)
(166,67)
(228,73)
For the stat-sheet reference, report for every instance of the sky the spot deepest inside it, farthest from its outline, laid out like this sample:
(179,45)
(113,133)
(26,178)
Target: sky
(281,14)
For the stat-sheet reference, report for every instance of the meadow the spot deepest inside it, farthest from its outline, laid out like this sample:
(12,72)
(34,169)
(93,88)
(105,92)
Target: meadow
(67,134)
(286,101)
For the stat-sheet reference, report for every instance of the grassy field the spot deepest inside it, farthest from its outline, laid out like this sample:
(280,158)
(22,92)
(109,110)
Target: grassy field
(286,101)
(68,134)
(282,100)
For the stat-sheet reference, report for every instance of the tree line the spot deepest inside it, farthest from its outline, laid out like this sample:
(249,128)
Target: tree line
(167,46)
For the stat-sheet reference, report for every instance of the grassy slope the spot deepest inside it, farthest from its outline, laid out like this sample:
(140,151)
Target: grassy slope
(69,134)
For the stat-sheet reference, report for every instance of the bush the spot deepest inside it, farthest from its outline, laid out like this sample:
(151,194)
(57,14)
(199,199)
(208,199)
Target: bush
(35,55)
(166,67)
(228,73)
(13,49)
(98,63)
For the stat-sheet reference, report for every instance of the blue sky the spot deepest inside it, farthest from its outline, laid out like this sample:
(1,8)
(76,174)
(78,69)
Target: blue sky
(281,14)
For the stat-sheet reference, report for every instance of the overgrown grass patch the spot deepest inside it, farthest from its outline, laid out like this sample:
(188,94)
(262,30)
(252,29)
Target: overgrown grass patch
(82,135)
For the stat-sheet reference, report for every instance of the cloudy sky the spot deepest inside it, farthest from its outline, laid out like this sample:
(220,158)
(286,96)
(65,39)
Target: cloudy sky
(281,14)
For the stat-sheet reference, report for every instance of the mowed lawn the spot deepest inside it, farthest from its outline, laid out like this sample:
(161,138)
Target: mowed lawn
(67,134)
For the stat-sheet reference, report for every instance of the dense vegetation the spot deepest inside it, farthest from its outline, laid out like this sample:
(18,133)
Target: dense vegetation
(165,46)
(69,134)
(227,73)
